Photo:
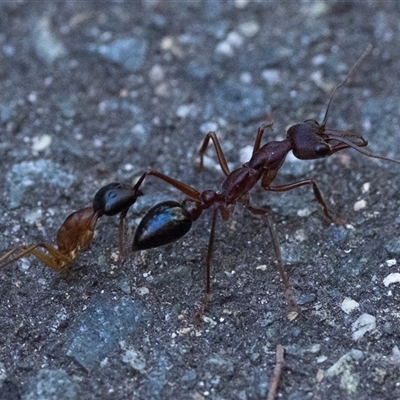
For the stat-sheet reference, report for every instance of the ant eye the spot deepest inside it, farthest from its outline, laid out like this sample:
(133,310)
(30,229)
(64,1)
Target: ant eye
(322,150)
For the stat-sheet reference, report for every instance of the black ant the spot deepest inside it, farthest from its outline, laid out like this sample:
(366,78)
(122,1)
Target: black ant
(168,221)
(76,232)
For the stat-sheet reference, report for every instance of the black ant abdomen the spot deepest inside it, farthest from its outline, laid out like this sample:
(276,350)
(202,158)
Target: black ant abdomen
(115,198)
(166,222)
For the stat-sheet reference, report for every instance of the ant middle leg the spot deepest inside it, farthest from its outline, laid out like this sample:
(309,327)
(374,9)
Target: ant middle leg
(260,133)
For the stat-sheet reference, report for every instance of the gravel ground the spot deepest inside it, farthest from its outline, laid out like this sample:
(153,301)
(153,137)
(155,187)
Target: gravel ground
(96,92)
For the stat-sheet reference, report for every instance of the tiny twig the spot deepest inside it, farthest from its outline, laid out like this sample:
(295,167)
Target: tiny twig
(273,387)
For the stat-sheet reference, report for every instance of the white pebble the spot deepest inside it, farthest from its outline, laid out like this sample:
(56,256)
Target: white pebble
(224,48)
(392,278)
(391,262)
(364,324)
(40,143)
(365,187)
(249,28)
(156,74)
(348,305)
(304,212)
(359,205)
(272,76)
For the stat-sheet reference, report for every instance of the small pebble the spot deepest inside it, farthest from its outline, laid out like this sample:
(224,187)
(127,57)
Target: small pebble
(249,28)
(392,278)
(359,205)
(42,142)
(362,325)
(391,262)
(348,305)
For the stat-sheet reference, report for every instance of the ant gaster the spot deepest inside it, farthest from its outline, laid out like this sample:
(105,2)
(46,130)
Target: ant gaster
(76,232)
(116,198)
(168,221)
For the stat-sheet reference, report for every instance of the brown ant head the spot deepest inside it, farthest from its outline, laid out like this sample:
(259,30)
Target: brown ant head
(308,140)
(311,140)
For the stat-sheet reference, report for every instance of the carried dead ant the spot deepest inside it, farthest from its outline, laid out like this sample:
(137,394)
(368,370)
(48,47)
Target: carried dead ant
(76,232)
(168,221)
(74,235)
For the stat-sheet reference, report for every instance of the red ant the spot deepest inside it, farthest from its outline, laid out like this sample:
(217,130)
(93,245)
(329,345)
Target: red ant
(169,221)
(76,232)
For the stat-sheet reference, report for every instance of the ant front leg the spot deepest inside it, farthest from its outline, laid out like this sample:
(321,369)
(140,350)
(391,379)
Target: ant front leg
(260,133)
(220,154)
(182,187)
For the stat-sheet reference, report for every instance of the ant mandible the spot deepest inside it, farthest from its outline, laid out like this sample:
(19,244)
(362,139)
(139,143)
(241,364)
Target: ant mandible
(168,221)
(76,232)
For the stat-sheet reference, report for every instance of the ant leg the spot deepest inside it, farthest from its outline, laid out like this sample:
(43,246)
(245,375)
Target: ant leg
(274,382)
(220,154)
(182,187)
(6,258)
(54,260)
(210,248)
(245,200)
(260,133)
(282,272)
(317,194)
(122,234)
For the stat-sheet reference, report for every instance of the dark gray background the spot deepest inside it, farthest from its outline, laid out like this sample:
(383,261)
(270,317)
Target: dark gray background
(112,109)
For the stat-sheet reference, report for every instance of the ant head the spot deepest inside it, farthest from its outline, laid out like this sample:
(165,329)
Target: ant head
(308,140)
(311,140)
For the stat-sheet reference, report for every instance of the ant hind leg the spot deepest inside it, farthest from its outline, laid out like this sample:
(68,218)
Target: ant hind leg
(245,200)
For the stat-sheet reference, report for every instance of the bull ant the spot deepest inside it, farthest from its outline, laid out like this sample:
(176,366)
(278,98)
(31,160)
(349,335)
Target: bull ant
(169,220)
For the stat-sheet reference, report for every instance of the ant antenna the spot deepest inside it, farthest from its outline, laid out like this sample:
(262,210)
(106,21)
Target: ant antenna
(361,150)
(359,61)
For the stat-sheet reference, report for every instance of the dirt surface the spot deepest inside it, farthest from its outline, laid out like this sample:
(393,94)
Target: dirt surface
(95,92)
